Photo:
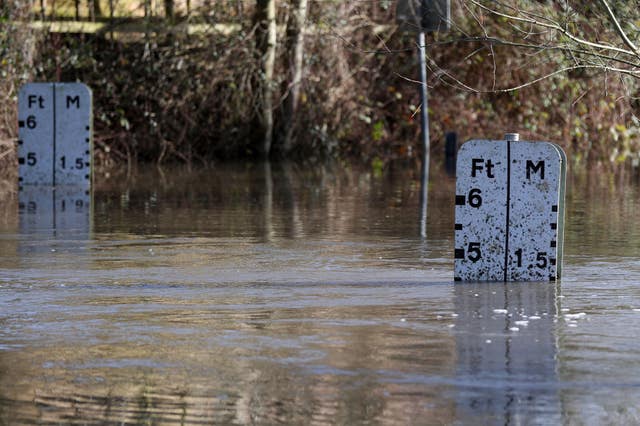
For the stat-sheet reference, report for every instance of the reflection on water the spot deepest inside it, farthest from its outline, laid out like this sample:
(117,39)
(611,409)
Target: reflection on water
(62,213)
(281,294)
(506,351)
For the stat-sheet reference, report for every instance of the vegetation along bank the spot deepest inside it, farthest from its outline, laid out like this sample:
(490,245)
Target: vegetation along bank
(199,81)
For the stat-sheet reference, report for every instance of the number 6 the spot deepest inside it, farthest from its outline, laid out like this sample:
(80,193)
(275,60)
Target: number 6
(475,200)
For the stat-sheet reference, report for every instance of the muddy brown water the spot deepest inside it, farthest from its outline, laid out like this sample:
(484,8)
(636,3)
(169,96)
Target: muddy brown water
(276,294)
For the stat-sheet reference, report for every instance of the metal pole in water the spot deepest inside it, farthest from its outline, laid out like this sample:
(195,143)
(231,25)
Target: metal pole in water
(424,115)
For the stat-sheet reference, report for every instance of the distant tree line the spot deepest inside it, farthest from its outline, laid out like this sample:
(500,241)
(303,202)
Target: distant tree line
(311,78)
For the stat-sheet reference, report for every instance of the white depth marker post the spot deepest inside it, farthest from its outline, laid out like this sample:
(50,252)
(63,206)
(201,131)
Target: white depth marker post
(509,212)
(55,134)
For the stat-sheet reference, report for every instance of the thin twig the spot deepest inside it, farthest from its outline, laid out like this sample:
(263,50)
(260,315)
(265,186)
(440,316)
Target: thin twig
(635,74)
(619,29)
(555,26)
(494,40)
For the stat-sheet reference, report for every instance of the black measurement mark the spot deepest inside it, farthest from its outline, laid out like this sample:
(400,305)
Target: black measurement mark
(554,226)
(29,207)
(458,227)
(78,165)
(475,200)
(31,122)
(54,136)
(21,123)
(459,254)
(519,256)
(542,259)
(31,159)
(79,205)
(53,203)
(474,253)
(506,243)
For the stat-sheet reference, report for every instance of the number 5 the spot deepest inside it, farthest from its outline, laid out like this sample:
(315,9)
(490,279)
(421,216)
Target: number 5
(31,159)
(542,259)
(473,252)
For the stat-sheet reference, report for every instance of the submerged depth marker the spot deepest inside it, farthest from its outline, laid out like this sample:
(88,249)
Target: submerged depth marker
(55,134)
(509,213)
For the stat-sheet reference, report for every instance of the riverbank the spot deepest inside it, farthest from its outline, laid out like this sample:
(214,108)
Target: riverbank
(172,97)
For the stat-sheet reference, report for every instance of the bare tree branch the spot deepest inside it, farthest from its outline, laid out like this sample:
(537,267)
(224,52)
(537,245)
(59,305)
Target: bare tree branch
(461,84)
(635,74)
(554,26)
(499,41)
(619,29)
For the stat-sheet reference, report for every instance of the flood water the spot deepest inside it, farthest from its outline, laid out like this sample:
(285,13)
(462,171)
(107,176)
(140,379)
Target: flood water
(280,294)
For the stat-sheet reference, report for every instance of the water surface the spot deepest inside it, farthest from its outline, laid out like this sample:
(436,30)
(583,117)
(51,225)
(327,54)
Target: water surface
(305,295)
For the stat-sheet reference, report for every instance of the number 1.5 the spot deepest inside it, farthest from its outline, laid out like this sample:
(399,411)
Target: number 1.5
(79,164)
(541,258)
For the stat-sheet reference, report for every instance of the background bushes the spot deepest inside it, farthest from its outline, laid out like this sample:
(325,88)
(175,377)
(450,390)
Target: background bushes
(168,96)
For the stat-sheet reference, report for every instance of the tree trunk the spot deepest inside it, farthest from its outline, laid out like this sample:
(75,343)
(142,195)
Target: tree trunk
(295,65)
(266,39)
(239,10)
(169,10)
(94,9)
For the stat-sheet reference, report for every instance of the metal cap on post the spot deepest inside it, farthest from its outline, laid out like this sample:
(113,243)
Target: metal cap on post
(513,137)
